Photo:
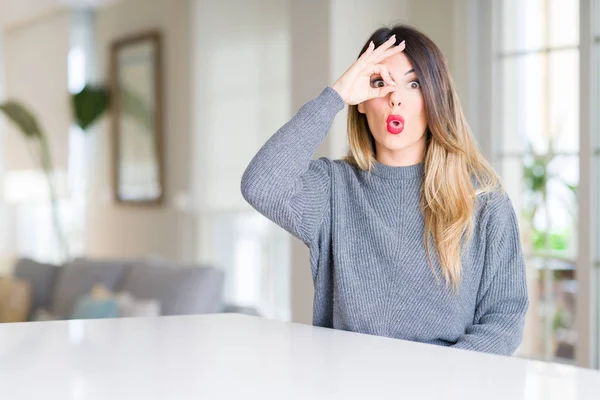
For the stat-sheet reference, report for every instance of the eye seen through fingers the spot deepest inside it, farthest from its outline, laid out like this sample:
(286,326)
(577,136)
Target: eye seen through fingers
(377,82)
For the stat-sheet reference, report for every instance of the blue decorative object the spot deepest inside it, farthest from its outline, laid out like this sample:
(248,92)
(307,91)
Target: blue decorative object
(88,307)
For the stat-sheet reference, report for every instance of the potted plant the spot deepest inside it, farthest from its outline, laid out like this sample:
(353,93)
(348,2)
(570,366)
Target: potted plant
(26,122)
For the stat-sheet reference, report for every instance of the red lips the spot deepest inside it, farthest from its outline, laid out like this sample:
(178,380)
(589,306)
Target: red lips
(395,124)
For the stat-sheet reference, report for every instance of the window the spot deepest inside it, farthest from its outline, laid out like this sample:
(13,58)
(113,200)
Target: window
(537,154)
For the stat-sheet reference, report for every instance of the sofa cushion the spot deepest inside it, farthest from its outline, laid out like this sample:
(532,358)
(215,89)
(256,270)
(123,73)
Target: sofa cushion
(180,290)
(41,278)
(79,277)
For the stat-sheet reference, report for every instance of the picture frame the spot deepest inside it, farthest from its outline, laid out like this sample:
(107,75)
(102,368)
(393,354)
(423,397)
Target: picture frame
(136,82)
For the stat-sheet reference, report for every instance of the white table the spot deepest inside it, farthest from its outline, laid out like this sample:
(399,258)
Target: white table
(239,357)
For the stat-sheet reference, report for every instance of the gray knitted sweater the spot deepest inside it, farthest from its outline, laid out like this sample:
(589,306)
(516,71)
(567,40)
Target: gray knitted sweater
(367,256)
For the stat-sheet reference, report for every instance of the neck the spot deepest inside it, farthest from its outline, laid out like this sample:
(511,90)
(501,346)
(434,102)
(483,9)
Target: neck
(411,155)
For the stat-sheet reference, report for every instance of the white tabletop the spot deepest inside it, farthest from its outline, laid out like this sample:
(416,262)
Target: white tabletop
(231,356)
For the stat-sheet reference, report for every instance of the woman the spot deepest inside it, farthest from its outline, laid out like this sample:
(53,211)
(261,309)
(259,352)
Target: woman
(411,236)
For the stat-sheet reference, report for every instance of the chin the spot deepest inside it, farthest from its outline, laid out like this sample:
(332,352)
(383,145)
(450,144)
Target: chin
(396,142)
(400,141)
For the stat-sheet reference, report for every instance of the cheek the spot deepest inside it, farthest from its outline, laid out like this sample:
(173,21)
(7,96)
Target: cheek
(417,105)
(414,101)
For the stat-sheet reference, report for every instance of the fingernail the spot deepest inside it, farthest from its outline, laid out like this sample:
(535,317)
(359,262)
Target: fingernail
(403,42)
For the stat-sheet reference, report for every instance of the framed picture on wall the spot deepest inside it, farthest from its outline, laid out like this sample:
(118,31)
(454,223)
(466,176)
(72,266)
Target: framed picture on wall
(137,119)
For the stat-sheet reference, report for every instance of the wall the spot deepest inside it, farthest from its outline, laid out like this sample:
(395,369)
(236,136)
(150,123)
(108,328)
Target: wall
(5,261)
(15,13)
(119,231)
(38,79)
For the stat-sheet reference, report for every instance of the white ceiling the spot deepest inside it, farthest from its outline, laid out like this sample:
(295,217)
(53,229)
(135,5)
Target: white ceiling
(15,12)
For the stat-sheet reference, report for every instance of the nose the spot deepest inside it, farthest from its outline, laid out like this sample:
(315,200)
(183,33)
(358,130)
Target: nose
(395,99)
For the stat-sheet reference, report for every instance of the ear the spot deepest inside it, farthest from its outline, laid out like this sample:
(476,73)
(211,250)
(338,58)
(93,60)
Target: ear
(361,108)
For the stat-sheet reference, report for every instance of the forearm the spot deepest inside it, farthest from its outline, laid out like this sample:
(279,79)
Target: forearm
(497,334)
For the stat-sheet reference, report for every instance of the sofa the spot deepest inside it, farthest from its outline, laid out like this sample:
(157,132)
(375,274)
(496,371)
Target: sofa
(60,291)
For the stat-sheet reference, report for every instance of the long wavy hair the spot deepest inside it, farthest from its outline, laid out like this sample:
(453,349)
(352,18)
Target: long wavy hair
(456,171)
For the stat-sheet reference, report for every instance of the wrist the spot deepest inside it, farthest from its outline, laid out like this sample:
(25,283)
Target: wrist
(339,91)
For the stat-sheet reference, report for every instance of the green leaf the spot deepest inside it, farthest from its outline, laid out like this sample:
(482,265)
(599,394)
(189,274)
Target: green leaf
(557,240)
(89,104)
(22,118)
(27,123)
(535,174)
(559,320)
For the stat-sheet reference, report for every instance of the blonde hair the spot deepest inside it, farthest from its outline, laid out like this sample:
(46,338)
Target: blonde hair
(456,171)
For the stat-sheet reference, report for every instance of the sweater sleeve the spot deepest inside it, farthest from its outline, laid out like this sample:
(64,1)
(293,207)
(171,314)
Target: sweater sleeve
(282,181)
(502,300)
